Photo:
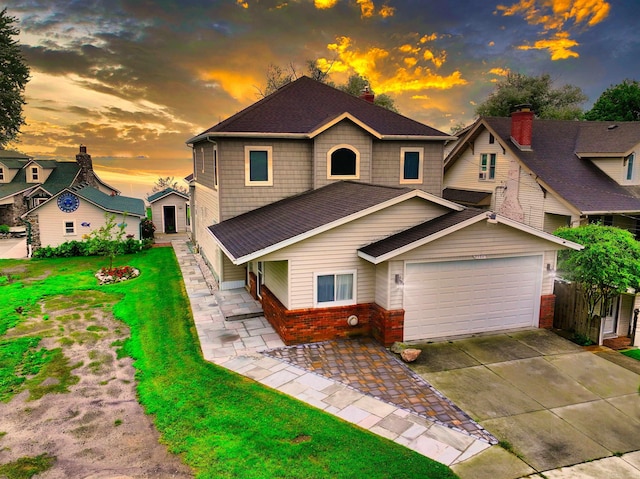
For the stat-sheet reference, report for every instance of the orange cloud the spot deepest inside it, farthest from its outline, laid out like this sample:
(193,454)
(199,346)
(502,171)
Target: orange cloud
(324,4)
(243,3)
(557,18)
(503,72)
(559,46)
(407,74)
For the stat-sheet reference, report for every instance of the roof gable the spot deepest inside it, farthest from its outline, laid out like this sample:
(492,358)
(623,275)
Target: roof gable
(164,193)
(305,106)
(442,226)
(293,219)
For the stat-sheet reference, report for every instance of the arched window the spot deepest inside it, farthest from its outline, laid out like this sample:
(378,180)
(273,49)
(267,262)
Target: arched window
(343,162)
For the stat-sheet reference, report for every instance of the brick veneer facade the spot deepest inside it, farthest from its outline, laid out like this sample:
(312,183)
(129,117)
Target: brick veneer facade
(321,324)
(547,309)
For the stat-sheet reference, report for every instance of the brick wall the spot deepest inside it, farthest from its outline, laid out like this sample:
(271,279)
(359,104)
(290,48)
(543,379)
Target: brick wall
(253,285)
(547,308)
(322,324)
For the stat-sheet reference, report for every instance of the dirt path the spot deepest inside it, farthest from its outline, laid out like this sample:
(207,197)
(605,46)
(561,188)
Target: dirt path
(96,430)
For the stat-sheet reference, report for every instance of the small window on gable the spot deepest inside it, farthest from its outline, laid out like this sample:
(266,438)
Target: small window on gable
(215,165)
(487,166)
(492,139)
(629,167)
(343,162)
(335,289)
(34,173)
(202,157)
(1,173)
(258,166)
(411,165)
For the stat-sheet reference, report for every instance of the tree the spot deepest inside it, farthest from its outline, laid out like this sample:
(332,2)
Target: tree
(547,102)
(106,239)
(618,103)
(168,182)
(608,265)
(14,75)
(356,84)
(278,76)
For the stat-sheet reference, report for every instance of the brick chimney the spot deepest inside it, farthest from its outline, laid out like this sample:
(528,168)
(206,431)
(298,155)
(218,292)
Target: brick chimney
(522,126)
(367,94)
(86,174)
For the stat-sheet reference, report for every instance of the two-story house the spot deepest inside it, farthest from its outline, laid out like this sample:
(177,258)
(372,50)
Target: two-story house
(329,209)
(552,173)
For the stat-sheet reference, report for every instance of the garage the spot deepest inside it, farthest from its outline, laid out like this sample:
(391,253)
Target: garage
(466,297)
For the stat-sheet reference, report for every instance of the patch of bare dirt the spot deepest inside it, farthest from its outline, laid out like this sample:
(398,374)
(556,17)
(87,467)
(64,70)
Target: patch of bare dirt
(97,430)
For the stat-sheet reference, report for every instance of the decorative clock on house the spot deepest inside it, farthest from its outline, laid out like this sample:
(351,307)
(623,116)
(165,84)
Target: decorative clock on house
(68,202)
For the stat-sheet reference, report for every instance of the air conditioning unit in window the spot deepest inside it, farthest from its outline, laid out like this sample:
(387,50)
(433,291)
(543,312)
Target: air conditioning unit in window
(482,175)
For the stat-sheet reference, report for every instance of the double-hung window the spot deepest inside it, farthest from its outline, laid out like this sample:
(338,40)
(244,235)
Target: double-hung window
(1,174)
(258,166)
(411,165)
(487,166)
(335,289)
(35,173)
(69,228)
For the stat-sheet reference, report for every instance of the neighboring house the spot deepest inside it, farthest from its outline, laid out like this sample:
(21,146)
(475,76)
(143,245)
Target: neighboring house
(552,173)
(76,211)
(329,209)
(26,183)
(170,211)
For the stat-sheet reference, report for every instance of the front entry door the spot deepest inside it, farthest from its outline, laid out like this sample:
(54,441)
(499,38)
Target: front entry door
(611,316)
(169,213)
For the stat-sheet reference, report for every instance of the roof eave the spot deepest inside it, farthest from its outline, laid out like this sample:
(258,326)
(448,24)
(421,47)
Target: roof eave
(246,134)
(421,242)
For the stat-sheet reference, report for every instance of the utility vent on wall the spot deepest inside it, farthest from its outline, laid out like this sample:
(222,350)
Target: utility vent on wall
(482,175)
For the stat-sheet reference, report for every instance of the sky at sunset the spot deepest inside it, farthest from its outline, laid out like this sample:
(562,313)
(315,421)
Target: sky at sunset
(133,80)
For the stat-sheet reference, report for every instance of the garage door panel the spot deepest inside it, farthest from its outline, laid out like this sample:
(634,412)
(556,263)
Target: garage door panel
(465,297)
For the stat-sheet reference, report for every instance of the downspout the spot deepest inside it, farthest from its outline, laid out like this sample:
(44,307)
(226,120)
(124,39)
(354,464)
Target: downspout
(29,239)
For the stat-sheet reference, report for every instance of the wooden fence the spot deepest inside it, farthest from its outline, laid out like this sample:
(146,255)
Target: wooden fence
(571,311)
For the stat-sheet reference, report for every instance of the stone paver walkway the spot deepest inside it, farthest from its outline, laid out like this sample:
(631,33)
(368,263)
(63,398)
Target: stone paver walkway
(239,346)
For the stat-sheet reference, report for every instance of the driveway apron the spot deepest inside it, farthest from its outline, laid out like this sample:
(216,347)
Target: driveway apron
(555,403)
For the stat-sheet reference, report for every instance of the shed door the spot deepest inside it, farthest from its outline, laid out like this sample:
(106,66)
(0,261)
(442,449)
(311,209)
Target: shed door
(169,215)
(465,297)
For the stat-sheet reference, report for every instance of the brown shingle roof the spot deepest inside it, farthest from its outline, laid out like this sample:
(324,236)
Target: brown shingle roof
(554,160)
(277,222)
(304,105)
(419,232)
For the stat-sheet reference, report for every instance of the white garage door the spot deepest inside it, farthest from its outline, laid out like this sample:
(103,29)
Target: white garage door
(466,297)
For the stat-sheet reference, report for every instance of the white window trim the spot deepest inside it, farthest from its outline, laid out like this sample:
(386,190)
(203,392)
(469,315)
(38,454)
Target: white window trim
(329,304)
(625,169)
(38,174)
(202,155)
(343,177)
(488,170)
(247,164)
(214,153)
(195,163)
(411,181)
(64,228)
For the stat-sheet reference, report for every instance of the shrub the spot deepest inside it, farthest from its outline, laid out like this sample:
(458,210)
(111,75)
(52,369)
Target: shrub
(147,228)
(90,247)
(4,229)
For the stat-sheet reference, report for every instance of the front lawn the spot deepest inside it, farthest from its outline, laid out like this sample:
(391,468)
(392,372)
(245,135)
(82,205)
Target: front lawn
(632,353)
(223,424)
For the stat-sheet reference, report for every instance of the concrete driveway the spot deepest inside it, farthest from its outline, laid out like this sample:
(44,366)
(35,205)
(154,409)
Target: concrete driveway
(549,401)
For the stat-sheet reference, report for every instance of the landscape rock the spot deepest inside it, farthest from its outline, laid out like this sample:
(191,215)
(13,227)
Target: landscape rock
(397,347)
(409,355)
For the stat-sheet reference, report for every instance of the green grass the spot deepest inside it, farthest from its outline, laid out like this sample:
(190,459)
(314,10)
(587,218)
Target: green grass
(632,353)
(27,467)
(222,424)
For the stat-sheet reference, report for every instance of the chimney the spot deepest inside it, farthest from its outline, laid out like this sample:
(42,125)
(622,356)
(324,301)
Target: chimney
(522,126)
(367,94)
(86,174)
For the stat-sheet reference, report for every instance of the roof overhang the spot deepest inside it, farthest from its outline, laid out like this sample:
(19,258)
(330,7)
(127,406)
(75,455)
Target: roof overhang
(490,217)
(334,224)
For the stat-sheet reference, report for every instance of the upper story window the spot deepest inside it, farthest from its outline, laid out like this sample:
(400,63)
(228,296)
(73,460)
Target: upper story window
(629,167)
(1,173)
(202,158)
(492,139)
(215,165)
(258,166)
(343,162)
(411,165)
(35,173)
(487,166)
